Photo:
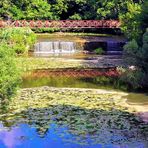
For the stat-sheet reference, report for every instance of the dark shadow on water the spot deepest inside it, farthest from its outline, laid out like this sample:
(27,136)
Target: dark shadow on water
(68,126)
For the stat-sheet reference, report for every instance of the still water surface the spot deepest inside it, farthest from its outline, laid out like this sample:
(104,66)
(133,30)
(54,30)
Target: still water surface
(24,136)
(44,127)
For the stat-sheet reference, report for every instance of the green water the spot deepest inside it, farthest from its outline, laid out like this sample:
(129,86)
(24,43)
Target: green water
(70,82)
(76,82)
(138,99)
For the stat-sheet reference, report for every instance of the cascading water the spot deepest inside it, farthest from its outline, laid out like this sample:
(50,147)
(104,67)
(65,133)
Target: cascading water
(113,48)
(55,47)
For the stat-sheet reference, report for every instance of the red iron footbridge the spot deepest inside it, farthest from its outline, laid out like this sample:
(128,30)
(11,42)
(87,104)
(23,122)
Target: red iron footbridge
(61,23)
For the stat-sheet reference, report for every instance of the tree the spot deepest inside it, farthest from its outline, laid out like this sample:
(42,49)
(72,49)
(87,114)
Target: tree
(19,39)
(131,21)
(138,56)
(144,16)
(64,9)
(9,73)
(5,5)
(26,9)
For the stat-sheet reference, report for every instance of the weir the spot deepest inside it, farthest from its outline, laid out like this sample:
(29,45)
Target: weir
(114,48)
(54,47)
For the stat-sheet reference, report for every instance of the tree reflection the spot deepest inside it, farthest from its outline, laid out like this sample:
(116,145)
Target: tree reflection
(113,126)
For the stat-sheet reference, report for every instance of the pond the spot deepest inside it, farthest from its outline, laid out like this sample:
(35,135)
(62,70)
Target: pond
(72,78)
(72,107)
(70,118)
(69,77)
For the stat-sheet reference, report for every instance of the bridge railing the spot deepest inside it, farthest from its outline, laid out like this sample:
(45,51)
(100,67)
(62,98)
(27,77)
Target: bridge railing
(61,23)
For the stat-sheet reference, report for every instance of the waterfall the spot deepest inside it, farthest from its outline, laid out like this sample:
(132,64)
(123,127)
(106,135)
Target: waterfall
(114,48)
(54,47)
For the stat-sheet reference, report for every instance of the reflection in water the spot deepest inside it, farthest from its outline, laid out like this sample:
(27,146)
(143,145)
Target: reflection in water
(8,137)
(43,119)
(66,126)
(67,81)
(23,136)
(77,82)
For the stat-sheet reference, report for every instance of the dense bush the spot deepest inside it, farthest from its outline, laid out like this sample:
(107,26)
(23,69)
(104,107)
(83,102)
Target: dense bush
(134,24)
(131,21)
(136,57)
(136,54)
(99,51)
(19,39)
(47,30)
(133,78)
(9,73)
(13,41)
(63,9)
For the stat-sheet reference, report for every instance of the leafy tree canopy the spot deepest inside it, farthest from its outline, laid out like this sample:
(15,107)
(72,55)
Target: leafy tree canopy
(65,9)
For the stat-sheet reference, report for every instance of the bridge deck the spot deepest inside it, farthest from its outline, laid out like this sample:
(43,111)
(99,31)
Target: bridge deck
(61,23)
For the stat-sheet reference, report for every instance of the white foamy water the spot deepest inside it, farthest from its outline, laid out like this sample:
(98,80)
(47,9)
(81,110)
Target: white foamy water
(54,47)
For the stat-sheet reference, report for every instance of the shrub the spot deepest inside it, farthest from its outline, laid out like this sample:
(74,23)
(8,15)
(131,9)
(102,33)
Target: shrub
(131,47)
(9,73)
(144,51)
(19,39)
(45,30)
(133,78)
(136,56)
(76,16)
(99,51)
(131,52)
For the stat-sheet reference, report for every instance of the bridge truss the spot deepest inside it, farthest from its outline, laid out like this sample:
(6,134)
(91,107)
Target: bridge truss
(61,23)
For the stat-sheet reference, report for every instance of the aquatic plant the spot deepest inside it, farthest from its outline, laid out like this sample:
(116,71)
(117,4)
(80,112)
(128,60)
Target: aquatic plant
(99,115)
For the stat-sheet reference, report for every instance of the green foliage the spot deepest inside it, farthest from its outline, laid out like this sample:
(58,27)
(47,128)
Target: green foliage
(25,9)
(144,15)
(131,21)
(134,23)
(9,73)
(99,51)
(63,9)
(133,78)
(111,9)
(20,39)
(13,40)
(43,30)
(75,17)
(103,80)
(144,51)
(131,49)
(137,56)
